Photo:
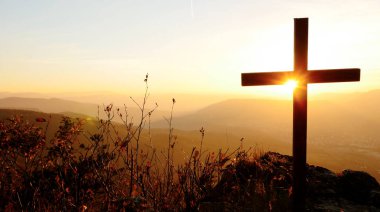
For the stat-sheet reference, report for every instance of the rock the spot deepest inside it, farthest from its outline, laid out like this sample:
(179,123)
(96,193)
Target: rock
(264,184)
(375,198)
(357,186)
(321,182)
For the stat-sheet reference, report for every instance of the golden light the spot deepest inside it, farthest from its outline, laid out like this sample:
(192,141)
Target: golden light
(291,84)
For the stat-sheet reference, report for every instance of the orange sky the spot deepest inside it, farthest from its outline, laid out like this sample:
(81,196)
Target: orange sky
(186,46)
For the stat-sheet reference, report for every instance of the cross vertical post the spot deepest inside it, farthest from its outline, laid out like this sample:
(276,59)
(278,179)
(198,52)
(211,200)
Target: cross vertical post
(300,113)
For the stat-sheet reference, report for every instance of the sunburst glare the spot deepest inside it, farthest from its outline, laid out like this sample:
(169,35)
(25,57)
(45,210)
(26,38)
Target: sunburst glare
(291,84)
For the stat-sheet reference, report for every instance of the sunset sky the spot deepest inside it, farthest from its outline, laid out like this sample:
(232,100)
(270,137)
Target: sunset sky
(186,46)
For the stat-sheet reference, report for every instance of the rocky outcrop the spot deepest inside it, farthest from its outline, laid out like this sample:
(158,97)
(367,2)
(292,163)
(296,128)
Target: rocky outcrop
(264,184)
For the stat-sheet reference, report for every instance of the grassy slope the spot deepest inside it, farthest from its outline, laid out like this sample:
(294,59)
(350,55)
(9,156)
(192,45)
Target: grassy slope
(335,156)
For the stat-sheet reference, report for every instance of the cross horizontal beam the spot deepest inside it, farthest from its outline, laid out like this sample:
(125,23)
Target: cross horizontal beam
(265,78)
(311,76)
(334,75)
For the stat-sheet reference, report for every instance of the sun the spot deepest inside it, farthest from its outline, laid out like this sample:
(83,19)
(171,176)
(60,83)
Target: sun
(291,84)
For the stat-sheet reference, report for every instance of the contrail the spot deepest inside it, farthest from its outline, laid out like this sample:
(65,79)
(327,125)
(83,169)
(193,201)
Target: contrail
(191,9)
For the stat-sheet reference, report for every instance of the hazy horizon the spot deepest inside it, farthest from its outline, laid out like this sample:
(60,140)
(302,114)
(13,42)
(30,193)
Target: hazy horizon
(185,102)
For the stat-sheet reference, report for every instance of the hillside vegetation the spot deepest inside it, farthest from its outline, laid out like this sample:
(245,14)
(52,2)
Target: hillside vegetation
(109,172)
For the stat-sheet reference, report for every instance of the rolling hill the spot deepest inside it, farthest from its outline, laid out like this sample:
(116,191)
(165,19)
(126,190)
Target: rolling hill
(67,107)
(342,129)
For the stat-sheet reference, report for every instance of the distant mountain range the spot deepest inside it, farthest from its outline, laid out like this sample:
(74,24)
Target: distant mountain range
(52,105)
(355,118)
(67,107)
(343,130)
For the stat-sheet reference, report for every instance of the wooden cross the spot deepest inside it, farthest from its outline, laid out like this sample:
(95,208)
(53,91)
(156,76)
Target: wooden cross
(303,77)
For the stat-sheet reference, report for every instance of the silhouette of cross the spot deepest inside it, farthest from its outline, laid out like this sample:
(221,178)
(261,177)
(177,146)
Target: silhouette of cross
(303,77)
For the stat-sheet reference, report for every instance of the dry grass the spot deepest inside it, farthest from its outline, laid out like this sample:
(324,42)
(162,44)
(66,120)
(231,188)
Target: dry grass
(110,170)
